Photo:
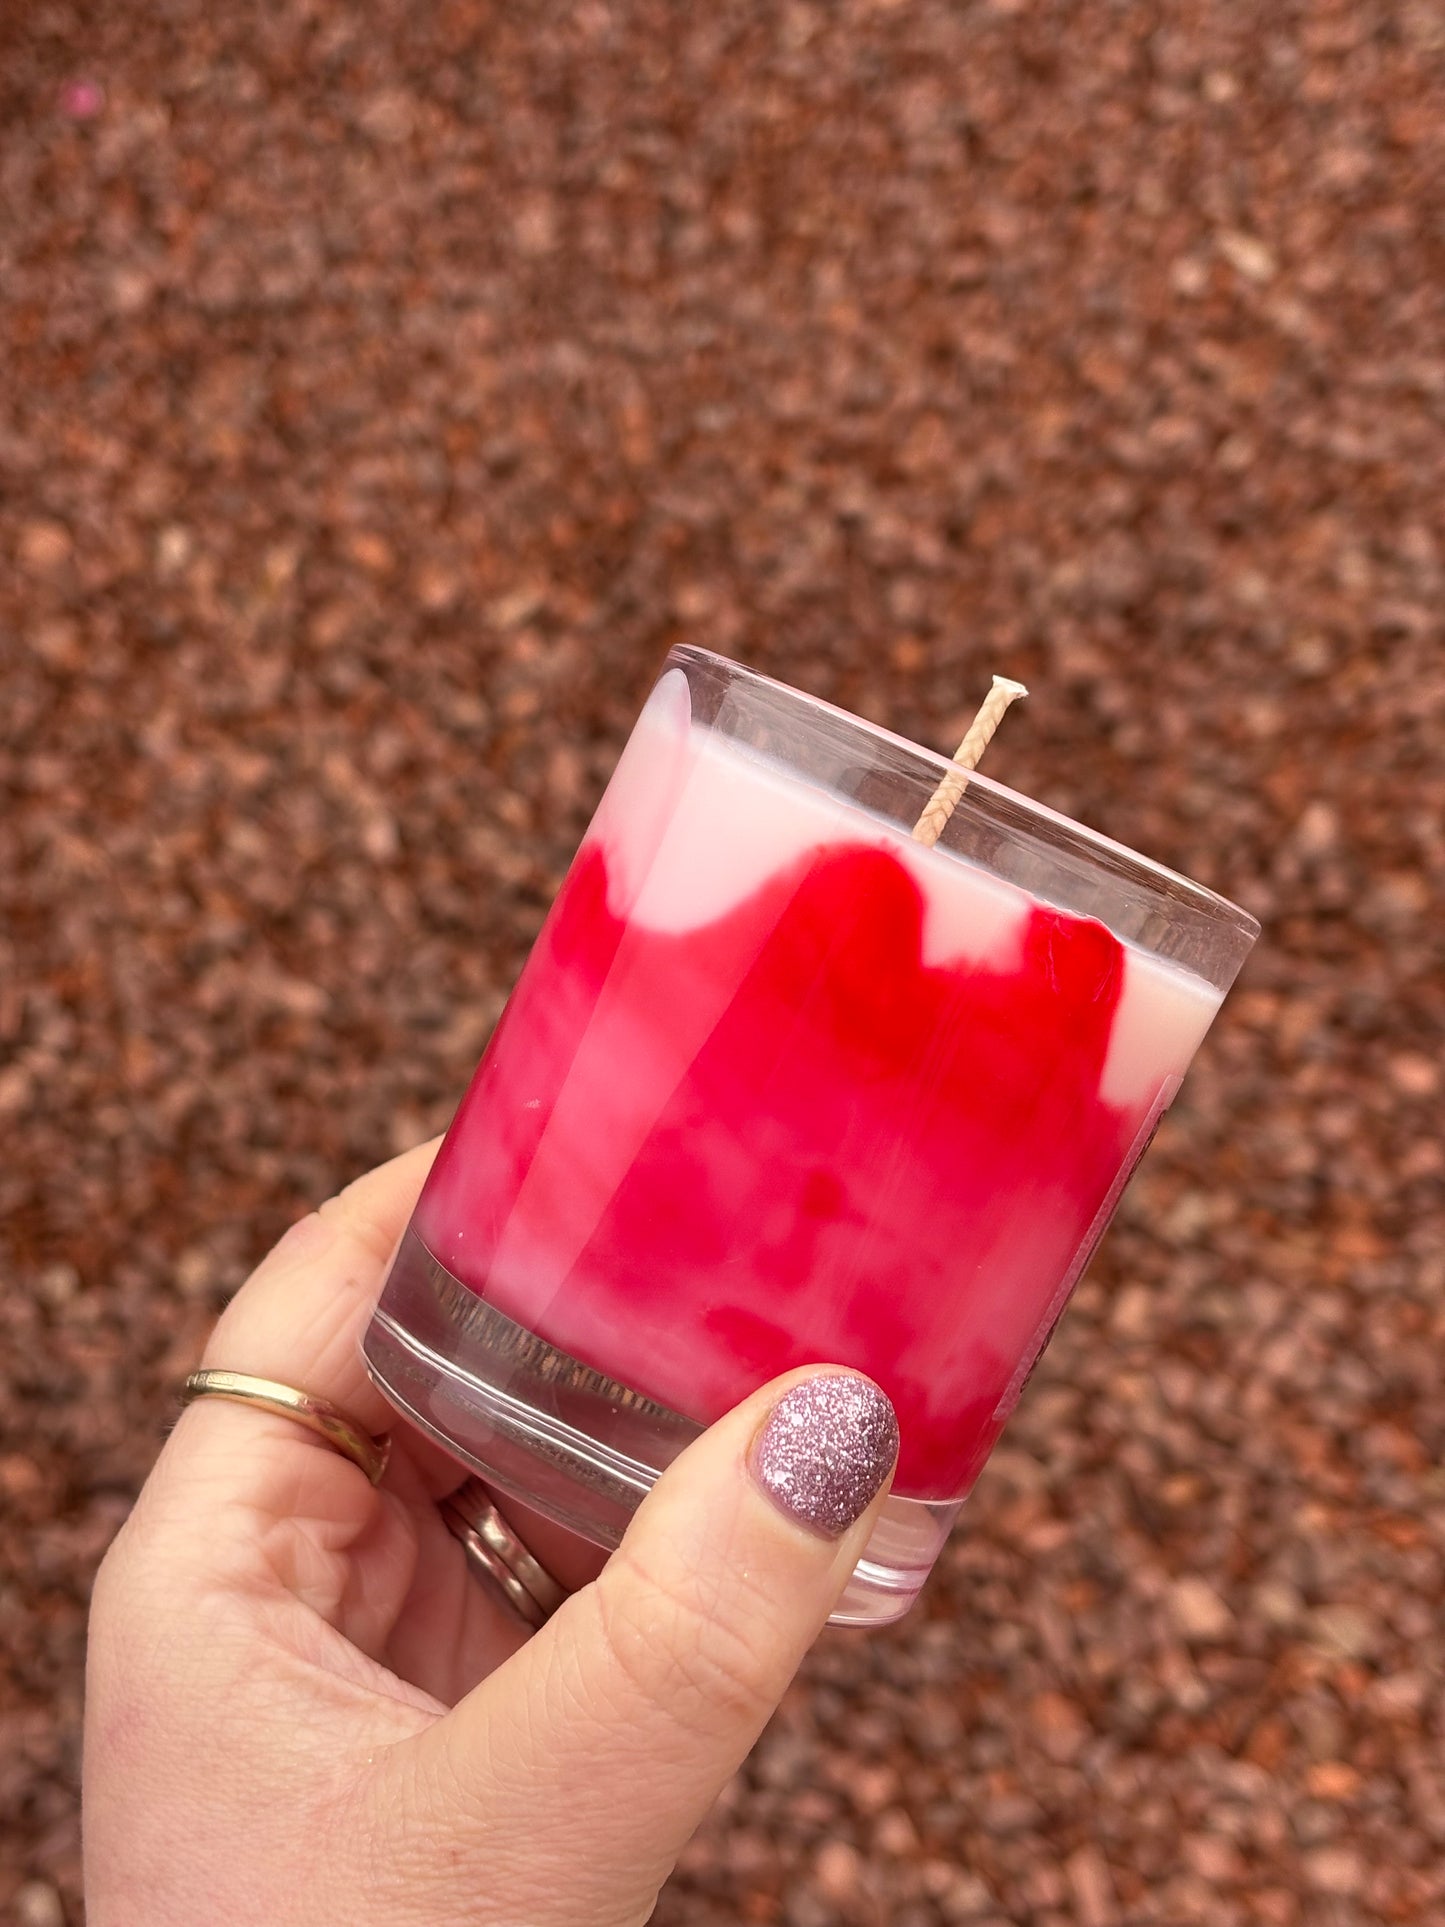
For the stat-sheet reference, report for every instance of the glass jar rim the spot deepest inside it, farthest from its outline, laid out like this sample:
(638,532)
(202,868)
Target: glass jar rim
(1220,907)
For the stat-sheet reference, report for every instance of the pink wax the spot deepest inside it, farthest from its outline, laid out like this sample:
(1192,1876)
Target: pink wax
(780,1086)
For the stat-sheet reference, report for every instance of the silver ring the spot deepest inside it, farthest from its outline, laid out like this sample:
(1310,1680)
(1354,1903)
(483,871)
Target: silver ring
(495,1551)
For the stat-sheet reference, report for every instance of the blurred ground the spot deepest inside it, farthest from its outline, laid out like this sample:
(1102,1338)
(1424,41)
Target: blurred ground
(383,388)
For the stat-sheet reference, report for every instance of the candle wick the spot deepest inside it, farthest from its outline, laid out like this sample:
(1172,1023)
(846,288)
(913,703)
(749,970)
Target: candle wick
(940,805)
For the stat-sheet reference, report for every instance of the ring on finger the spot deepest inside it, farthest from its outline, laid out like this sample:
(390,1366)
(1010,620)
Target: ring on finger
(495,1552)
(340,1431)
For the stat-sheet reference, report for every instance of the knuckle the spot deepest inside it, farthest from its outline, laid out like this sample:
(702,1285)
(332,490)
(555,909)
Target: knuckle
(121,1574)
(689,1647)
(350,1213)
(107,1589)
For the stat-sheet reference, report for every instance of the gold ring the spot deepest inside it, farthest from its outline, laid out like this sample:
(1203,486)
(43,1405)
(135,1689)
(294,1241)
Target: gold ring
(495,1551)
(319,1415)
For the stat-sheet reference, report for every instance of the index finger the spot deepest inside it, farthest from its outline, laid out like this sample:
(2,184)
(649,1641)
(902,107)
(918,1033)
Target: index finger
(300,1316)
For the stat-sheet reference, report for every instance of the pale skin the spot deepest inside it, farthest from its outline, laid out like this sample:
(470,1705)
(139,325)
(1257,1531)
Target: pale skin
(303,1705)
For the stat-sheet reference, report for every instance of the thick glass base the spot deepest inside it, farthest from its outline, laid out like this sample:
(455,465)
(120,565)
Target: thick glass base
(578,1446)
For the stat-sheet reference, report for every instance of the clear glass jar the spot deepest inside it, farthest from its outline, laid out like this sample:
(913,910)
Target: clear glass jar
(781,1085)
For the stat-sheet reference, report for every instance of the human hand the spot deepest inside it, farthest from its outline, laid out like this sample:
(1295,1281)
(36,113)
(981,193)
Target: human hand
(303,1705)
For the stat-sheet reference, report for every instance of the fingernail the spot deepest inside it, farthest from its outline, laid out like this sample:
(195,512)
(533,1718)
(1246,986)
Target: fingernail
(826,1449)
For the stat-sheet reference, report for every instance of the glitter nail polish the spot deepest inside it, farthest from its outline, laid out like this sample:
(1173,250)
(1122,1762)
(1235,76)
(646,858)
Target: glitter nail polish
(825,1450)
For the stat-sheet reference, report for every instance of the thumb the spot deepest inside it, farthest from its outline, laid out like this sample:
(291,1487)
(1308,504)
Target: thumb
(590,1757)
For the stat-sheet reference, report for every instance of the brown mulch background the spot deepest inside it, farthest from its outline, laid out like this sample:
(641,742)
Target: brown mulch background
(382,388)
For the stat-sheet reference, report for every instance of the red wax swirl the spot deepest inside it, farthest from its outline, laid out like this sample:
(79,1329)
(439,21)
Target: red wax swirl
(695,1158)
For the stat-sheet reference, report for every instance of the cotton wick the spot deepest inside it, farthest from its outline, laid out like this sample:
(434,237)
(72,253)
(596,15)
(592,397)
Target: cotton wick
(940,805)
